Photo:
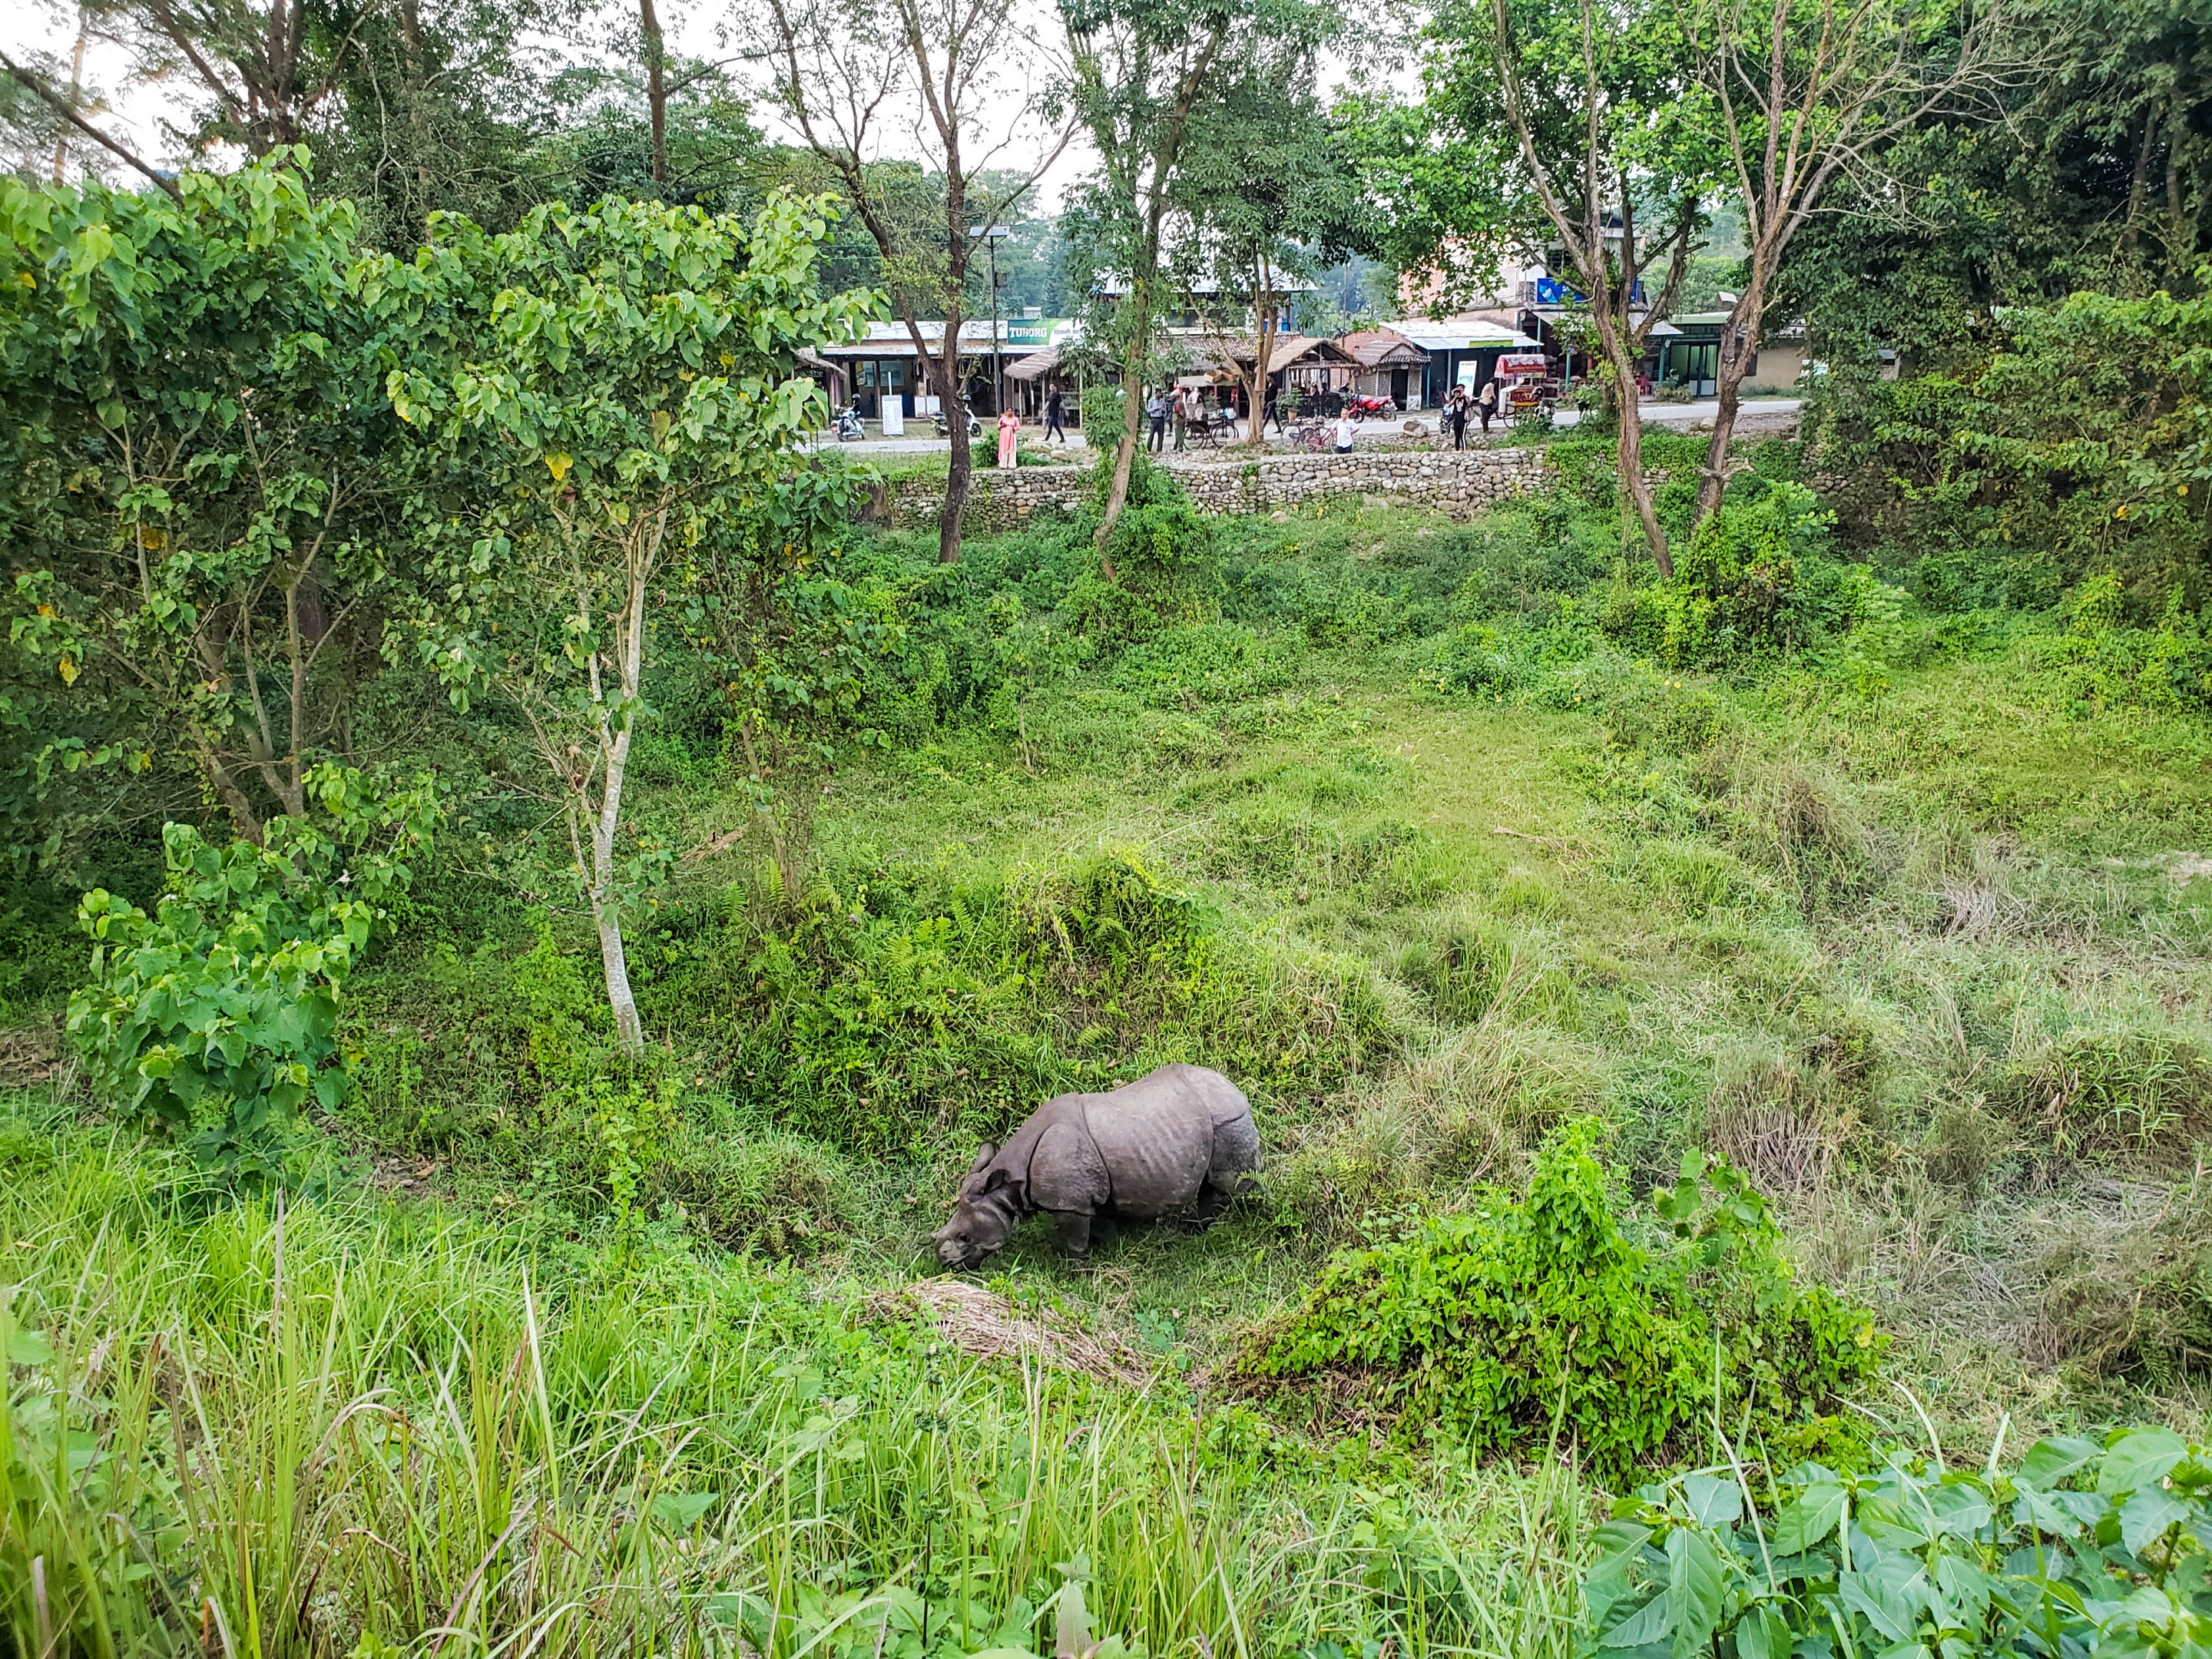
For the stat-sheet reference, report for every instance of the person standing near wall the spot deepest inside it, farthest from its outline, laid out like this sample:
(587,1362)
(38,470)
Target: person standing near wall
(1157,408)
(1487,403)
(1010,428)
(1179,408)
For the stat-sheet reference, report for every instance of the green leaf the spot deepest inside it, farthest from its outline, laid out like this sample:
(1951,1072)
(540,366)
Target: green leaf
(2148,1514)
(1693,1589)
(680,1511)
(2052,1460)
(28,1348)
(1810,1518)
(1712,1502)
(1647,1625)
(1762,1633)
(2140,1458)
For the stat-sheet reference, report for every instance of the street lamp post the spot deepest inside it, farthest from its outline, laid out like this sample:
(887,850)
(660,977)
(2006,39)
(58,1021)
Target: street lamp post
(992,236)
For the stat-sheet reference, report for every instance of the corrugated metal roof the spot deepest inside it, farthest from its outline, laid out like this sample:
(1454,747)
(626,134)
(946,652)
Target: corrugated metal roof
(892,339)
(1460,334)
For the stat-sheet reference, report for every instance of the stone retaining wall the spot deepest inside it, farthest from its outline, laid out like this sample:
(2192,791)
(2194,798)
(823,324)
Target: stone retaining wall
(996,499)
(1458,482)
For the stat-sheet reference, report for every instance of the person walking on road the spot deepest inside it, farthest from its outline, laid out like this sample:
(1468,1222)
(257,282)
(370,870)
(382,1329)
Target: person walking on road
(1055,404)
(1486,405)
(1010,428)
(1273,411)
(1157,409)
(1455,416)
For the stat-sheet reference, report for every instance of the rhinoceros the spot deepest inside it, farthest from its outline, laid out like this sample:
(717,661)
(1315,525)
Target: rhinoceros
(1177,1142)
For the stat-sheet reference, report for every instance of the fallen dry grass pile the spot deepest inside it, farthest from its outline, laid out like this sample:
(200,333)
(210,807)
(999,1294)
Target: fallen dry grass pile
(981,1322)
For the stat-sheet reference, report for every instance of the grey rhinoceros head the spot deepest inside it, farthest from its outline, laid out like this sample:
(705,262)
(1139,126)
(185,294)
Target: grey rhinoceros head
(983,1218)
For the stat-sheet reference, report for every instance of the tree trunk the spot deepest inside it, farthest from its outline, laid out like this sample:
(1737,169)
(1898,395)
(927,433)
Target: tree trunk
(2181,235)
(76,93)
(1629,450)
(607,916)
(960,474)
(1125,452)
(1262,351)
(606,823)
(1738,336)
(2139,181)
(656,87)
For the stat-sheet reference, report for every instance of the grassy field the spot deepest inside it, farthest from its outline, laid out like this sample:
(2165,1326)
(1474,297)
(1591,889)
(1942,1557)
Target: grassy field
(560,1351)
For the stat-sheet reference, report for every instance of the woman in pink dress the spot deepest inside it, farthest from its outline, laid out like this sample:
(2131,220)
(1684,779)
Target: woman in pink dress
(1010,426)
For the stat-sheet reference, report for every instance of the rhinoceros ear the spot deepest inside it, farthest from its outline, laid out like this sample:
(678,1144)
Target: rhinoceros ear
(990,1150)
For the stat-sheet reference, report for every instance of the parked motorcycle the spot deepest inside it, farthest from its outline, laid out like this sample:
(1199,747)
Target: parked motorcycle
(1361,408)
(974,426)
(846,424)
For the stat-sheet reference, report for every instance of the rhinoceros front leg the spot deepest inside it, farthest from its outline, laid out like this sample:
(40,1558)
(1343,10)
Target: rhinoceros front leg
(1074,1233)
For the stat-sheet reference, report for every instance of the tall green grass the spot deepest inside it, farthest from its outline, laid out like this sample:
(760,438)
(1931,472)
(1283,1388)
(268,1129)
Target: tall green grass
(349,1428)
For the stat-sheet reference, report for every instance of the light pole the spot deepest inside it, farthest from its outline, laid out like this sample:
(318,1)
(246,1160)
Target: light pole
(992,236)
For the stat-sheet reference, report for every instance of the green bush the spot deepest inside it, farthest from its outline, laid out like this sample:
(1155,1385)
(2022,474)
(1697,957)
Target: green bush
(1481,660)
(2104,663)
(216,1018)
(1752,579)
(1213,662)
(1165,552)
(1525,1312)
(900,1007)
(2083,1549)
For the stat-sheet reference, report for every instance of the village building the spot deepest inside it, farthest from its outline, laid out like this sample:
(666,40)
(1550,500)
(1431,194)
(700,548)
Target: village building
(1387,365)
(881,369)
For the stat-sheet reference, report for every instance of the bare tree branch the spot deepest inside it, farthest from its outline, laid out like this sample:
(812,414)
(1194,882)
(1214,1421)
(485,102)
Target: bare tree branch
(54,101)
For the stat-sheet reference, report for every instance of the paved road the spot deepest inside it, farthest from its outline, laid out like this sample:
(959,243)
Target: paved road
(1760,410)
(1703,410)
(930,445)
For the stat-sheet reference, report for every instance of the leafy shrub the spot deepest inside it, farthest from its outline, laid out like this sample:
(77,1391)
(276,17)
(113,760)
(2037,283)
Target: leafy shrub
(1165,552)
(1478,659)
(2083,1549)
(2103,662)
(886,1009)
(1110,616)
(216,1018)
(1213,662)
(1344,612)
(1751,580)
(1524,1311)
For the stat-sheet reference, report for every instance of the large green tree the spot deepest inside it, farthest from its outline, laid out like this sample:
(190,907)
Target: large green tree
(1803,93)
(866,82)
(1153,82)
(1553,124)
(1269,192)
(607,392)
(195,499)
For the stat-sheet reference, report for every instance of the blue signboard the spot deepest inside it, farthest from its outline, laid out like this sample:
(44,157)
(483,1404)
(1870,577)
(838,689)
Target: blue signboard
(1552,291)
